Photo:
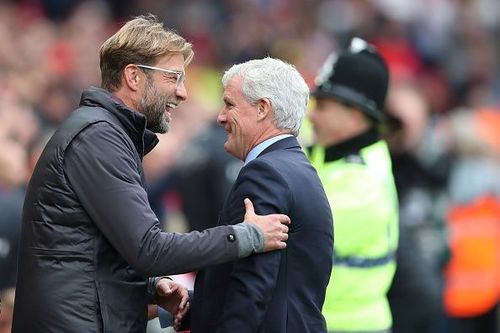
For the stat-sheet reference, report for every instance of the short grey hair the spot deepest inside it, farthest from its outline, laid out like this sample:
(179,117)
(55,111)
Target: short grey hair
(278,81)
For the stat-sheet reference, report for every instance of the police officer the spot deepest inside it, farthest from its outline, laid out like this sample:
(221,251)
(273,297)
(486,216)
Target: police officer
(354,165)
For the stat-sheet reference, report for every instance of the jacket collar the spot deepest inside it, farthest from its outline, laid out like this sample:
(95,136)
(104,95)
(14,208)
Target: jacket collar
(133,122)
(286,143)
(351,146)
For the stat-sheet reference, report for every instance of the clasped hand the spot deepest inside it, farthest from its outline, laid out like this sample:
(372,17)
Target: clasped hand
(174,298)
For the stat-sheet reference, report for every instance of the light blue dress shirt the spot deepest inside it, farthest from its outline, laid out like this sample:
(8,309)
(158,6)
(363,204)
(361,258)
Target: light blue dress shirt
(263,145)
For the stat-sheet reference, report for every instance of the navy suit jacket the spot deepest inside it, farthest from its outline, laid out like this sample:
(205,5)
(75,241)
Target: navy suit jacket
(279,291)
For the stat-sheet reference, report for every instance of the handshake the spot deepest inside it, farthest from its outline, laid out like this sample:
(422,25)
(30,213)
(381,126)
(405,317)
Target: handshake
(170,296)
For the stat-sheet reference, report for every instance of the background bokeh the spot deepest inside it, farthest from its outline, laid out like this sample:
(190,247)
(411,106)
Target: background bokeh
(443,124)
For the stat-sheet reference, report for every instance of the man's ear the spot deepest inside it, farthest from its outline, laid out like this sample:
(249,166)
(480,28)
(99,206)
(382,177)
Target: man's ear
(131,77)
(264,108)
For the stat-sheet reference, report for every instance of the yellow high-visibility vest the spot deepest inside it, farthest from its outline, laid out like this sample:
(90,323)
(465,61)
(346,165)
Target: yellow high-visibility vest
(361,191)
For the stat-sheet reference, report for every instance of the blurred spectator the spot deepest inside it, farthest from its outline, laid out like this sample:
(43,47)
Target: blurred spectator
(207,173)
(415,295)
(163,166)
(472,287)
(13,169)
(18,128)
(12,177)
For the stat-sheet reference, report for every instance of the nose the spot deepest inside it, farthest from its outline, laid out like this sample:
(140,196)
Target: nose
(181,92)
(221,118)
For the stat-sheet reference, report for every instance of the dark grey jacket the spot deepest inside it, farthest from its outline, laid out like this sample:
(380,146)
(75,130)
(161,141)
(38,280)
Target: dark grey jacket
(89,238)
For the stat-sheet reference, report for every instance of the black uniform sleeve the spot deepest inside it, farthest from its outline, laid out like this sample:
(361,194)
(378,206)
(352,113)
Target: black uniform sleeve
(100,166)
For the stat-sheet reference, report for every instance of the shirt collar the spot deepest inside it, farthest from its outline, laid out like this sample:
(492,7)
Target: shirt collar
(262,146)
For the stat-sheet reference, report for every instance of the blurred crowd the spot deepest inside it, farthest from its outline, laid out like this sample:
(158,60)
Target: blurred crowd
(443,124)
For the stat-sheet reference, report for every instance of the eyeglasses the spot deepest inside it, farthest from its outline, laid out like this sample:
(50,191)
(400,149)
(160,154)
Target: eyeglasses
(179,75)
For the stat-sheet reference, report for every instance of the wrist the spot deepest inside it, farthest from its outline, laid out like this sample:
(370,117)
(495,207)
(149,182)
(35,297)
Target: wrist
(250,239)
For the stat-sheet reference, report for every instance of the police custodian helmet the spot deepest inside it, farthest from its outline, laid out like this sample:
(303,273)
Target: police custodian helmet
(358,76)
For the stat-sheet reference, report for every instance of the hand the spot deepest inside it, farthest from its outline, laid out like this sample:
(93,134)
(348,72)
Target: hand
(273,226)
(173,297)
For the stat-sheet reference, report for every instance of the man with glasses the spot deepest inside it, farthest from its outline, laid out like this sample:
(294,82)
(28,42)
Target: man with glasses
(89,237)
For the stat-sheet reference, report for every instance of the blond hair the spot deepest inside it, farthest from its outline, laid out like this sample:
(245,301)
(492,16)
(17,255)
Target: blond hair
(141,40)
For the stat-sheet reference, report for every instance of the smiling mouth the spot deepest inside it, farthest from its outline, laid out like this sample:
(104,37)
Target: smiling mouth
(171,106)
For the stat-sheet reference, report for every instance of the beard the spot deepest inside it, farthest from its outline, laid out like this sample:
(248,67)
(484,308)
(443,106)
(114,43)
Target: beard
(152,105)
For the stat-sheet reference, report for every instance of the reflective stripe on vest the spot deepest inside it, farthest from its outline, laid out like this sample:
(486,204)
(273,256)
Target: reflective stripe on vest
(363,262)
(366,262)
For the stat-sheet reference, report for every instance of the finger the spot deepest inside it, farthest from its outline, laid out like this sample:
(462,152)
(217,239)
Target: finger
(182,313)
(284,237)
(174,287)
(177,324)
(164,289)
(284,228)
(178,318)
(184,301)
(249,207)
(283,218)
(281,245)
(275,244)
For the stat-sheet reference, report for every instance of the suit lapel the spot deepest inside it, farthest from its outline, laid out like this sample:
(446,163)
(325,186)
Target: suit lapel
(286,143)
